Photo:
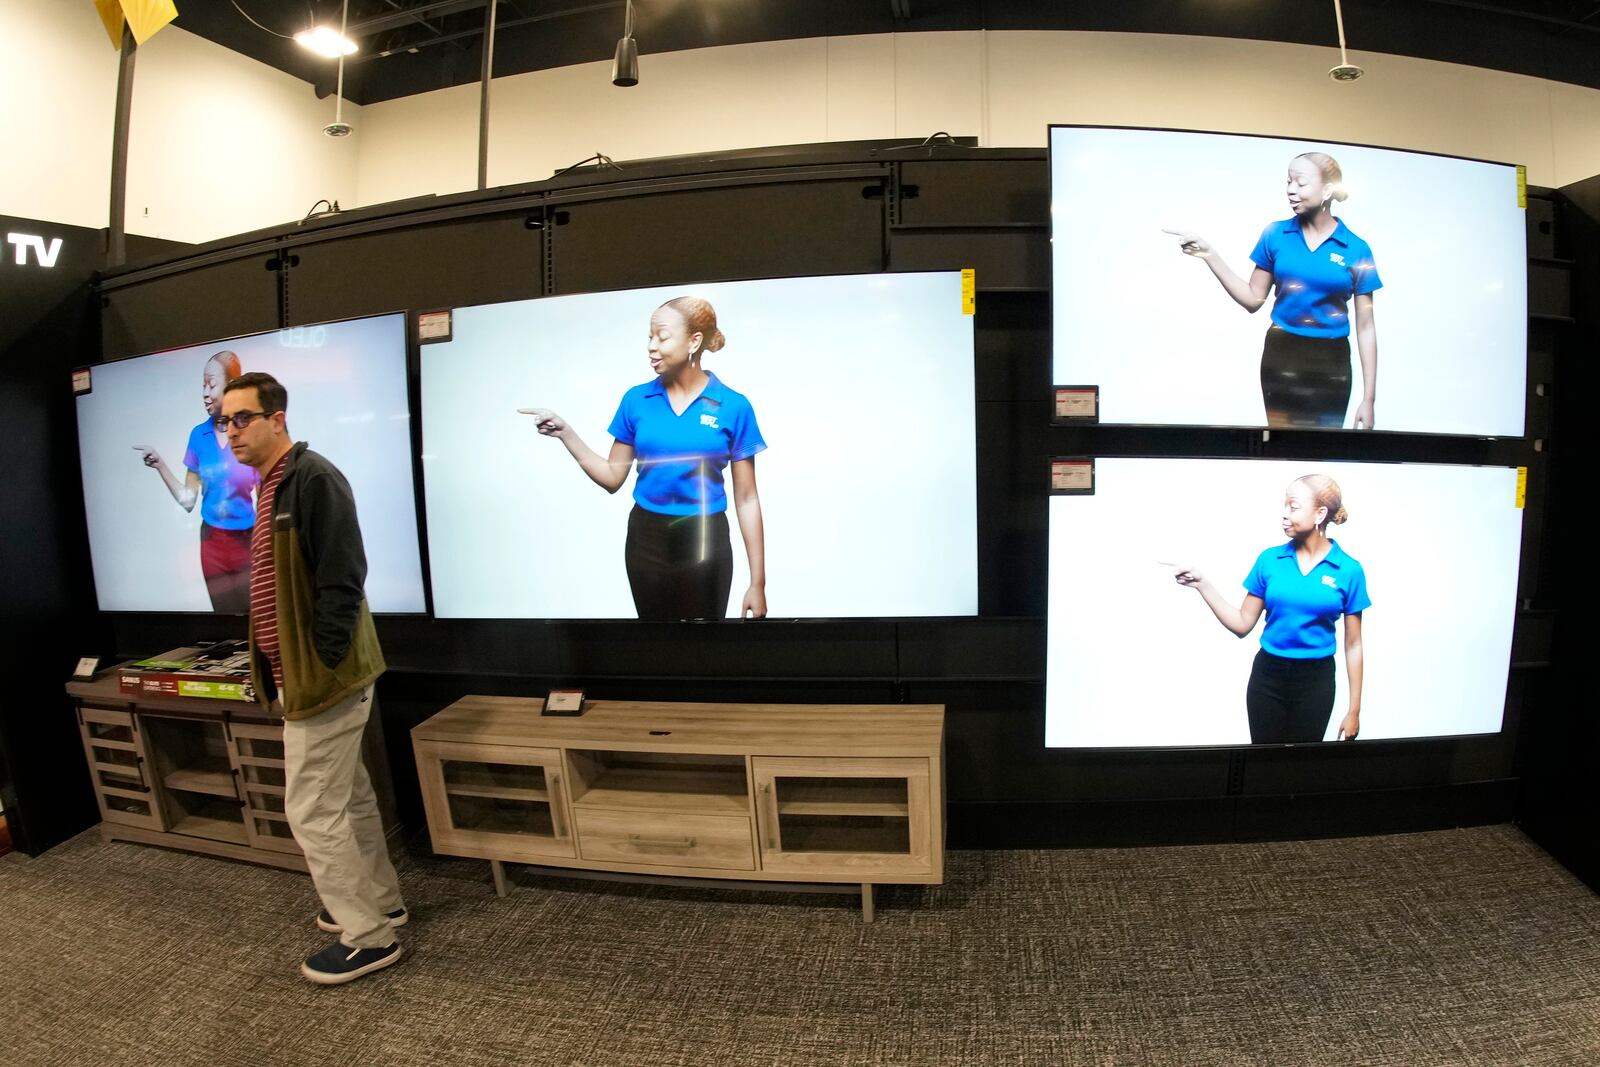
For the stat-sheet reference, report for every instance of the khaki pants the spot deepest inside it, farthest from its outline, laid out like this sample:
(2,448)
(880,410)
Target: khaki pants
(333,813)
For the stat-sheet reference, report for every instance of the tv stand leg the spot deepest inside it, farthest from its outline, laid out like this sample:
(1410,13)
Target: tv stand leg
(866,902)
(498,870)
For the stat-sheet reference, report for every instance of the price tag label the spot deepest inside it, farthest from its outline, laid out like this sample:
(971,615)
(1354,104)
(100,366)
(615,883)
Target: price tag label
(969,291)
(1522,186)
(1072,476)
(1077,402)
(433,327)
(1522,487)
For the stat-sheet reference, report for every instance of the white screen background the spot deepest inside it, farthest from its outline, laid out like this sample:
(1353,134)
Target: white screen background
(1134,659)
(1156,332)
(862,386)
(347,399)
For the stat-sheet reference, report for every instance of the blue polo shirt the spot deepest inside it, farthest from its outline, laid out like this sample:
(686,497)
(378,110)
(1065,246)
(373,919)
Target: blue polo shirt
(1302,608)
(227,487)
(681,457)
(1314,288)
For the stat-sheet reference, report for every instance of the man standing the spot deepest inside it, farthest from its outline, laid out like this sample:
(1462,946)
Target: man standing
(314,658)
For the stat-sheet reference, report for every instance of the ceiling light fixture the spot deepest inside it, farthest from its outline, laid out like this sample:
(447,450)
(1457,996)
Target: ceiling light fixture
(326,42)
(625,68)
(1346,71)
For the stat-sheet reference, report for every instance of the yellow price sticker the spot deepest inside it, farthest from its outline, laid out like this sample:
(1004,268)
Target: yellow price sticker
(1522,487)
(969,291)
(1522,187)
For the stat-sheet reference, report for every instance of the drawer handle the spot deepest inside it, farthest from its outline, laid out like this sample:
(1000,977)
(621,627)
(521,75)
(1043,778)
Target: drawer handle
(641,841)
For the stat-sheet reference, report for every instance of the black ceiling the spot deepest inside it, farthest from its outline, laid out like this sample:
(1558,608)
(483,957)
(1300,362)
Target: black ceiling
(415,46)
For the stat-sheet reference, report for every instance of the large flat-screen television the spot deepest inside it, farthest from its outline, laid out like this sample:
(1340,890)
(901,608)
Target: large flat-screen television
(170,509)
(1150,574)
(1316,274)
(846,401)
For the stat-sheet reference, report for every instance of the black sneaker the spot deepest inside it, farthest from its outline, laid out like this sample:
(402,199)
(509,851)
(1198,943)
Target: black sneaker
(399,917)
(340,963)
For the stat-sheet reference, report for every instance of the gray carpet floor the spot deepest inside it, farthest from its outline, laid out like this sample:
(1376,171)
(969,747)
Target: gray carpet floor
(1457,947)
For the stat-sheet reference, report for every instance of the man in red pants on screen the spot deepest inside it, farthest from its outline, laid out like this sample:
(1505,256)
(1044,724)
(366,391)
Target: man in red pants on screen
(314,659)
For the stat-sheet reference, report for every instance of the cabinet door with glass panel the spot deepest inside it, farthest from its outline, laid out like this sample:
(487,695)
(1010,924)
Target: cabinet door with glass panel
(118,766)
(845,817)
(256,751)
(494,801)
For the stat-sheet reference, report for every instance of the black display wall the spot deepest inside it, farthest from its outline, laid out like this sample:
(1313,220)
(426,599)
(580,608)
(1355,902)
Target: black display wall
(1559,759)
(48,326)
(860,209)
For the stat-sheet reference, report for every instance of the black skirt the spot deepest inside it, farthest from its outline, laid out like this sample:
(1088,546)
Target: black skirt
(1305,381)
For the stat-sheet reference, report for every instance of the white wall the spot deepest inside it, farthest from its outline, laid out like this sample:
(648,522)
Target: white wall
(218,143)
(703,100)
(222,144)
(1006,87)
(58,92)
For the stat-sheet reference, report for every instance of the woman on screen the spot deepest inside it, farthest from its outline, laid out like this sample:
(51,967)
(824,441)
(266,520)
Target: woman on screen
(1320,271)
(1305,586)
(225,489)
(684,428)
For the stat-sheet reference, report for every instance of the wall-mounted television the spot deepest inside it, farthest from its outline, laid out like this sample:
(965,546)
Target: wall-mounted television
(1232,280)
(849,399)
(169,507)
(1142,654)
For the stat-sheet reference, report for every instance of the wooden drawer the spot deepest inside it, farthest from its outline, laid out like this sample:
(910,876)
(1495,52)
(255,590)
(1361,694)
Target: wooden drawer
(710,842)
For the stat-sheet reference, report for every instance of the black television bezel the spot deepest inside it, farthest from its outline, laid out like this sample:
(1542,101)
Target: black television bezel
(408,324)
(1050,155)
(770,620)
(1511,661)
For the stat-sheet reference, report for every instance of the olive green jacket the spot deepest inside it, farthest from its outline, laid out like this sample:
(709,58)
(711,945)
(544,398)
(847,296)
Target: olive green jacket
(326,640)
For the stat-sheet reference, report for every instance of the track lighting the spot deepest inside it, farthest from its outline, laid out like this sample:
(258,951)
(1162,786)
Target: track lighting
(625,68)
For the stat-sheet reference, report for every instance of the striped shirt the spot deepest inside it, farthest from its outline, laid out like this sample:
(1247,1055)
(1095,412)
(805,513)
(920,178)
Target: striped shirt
(263,579)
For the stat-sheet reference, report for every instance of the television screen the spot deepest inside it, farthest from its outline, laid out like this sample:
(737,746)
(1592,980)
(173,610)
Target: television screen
(1191,602)
(1229,280)
(819,431)
(170,509)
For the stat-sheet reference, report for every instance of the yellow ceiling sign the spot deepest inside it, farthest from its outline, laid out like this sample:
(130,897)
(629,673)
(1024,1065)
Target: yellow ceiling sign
(144,17)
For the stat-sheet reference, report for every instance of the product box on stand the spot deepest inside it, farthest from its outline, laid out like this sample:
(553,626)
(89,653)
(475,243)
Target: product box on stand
(220,672)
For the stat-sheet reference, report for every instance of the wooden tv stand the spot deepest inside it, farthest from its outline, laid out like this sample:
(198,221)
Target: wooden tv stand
(771,793)
(203,775)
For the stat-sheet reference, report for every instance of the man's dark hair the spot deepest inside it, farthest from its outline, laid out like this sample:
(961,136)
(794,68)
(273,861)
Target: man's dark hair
(274,397)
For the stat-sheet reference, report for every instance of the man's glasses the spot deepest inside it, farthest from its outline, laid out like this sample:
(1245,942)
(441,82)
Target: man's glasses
(240,419)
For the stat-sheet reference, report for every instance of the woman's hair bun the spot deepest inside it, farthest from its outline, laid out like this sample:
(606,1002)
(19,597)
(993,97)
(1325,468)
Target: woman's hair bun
(1325,491)
(701,318)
